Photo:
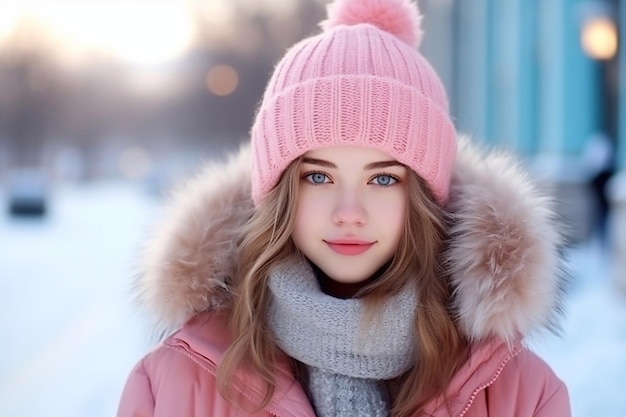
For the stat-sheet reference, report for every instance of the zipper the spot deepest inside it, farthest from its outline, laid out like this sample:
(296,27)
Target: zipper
(181,346)
(493,379)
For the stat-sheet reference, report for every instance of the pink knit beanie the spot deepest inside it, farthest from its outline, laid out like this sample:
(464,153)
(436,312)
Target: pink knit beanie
(360,82)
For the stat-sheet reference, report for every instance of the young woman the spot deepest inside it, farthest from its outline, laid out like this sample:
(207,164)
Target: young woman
(358,259)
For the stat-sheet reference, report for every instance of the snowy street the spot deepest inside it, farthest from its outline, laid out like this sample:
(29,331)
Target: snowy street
(71,334)
(67,317)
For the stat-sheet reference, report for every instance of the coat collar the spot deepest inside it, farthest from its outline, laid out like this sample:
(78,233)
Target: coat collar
(503,251)
(205,338)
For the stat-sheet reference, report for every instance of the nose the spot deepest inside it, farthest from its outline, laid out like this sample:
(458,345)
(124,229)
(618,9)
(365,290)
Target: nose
(349,210)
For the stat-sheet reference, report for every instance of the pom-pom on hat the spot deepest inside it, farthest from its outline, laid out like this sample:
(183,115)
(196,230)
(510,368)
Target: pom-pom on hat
(360,82)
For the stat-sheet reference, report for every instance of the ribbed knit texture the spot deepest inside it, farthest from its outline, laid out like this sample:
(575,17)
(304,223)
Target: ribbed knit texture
(335,395)
(355,85)
(345,356)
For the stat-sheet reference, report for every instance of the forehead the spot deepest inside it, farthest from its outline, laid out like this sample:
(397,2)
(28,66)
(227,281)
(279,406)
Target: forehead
(343,153)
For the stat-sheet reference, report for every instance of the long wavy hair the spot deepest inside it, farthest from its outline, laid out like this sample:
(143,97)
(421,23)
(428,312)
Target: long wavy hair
(441,347)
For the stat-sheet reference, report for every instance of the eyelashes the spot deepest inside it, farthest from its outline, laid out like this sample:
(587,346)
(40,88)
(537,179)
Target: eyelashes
(383,179)
(316,177)
(389,179)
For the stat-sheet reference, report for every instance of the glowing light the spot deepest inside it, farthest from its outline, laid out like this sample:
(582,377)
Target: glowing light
(599,38)
(141,32)
(222,80)
(135,163)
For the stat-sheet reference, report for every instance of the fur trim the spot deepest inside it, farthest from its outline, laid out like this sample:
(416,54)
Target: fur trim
(188,264)
(502,254)
(504,246)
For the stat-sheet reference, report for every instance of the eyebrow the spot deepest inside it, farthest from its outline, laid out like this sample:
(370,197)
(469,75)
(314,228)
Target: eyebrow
(372,165)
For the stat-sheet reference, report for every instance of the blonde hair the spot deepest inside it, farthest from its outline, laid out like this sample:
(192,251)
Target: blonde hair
(267,241)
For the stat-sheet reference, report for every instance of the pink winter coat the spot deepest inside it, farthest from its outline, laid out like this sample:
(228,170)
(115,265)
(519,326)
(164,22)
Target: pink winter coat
(505,268)
(178,379)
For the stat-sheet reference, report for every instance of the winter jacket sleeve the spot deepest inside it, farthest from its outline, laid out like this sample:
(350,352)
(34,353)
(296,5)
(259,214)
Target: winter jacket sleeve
(137,399)
(556,403)
(527,387)
(540,382)
(168,382)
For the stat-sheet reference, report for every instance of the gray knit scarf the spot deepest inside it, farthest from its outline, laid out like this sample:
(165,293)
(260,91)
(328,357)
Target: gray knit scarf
(346,359)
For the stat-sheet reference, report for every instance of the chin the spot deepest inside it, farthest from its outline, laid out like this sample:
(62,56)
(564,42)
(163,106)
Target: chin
(349,279)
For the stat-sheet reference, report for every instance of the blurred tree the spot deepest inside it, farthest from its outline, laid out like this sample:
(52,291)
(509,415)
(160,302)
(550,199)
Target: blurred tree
(27,82)
(250,37)
(98,102)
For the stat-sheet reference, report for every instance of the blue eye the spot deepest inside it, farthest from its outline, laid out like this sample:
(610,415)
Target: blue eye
(317,178)
(384,180)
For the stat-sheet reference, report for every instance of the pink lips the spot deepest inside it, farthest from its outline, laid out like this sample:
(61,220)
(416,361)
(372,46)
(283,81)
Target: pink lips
(349,247)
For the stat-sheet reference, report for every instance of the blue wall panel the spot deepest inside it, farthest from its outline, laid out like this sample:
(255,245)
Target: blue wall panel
(470,95)
(621,152)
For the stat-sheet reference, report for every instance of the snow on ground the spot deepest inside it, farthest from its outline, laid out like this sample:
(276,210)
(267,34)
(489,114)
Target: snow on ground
(591,354)
(71,335)
(69,331)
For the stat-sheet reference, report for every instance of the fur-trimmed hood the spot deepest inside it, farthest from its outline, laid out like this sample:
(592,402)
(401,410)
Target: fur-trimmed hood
(503,253)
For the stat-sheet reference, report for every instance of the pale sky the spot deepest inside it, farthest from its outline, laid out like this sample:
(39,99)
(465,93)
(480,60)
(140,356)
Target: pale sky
(136,31)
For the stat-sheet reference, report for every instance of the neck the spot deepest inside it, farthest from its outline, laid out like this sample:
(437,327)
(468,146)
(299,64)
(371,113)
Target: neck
(344,290)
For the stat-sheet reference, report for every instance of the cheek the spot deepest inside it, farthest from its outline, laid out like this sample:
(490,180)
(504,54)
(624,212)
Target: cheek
(397,219)
(311,201)
(305,216)
(390,215)
(390,208)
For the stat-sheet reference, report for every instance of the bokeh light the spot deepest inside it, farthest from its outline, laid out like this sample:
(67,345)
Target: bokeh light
(222,80)
(599,38)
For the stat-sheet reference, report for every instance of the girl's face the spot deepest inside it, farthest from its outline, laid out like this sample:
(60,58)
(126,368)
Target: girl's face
(350,211)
